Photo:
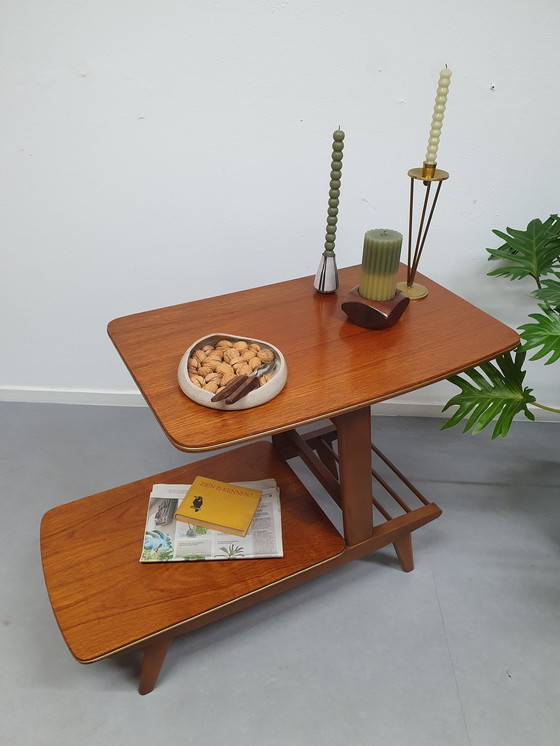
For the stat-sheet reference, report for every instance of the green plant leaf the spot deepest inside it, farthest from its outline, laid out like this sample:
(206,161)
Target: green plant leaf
(549,292)
(492,390)
(533,252)
(544,333)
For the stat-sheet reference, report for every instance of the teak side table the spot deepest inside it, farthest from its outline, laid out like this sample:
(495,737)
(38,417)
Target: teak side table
(106,601)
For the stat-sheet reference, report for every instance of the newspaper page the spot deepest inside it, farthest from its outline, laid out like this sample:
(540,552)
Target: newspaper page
(168,540)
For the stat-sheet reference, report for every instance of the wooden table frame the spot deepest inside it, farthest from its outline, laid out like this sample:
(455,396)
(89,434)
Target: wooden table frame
(349,473)
(336,370)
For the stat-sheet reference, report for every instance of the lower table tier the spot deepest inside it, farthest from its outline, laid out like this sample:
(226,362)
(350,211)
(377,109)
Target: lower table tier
(105,600)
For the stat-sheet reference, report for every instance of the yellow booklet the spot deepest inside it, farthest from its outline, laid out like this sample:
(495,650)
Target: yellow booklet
(219,506)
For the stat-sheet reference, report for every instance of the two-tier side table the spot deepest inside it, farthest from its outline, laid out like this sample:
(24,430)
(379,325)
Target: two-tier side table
(106,602)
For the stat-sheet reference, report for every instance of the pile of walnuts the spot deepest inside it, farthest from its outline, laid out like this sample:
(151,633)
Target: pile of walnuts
(213,366)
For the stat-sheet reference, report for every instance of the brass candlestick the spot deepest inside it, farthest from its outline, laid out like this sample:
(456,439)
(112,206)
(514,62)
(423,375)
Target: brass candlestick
(428,174)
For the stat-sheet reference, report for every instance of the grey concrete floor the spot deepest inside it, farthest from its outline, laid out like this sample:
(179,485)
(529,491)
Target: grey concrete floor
(463,651)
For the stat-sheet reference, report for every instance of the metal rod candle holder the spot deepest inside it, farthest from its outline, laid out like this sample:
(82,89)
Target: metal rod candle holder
(428,174)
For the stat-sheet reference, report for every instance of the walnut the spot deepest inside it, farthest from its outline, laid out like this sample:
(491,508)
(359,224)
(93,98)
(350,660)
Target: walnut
(266,355)
(203,370)
(212,387)
(231,354)
(224,368)
(227,377)
(244,369)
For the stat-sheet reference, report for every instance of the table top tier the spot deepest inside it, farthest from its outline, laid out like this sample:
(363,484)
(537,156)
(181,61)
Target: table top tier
(333,365)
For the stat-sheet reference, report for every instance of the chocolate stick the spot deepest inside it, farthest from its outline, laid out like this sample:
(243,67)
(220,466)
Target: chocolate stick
(250,383)
(229,388)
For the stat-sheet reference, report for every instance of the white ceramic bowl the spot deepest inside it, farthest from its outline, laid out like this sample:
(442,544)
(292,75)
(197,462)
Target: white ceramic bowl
(260,395)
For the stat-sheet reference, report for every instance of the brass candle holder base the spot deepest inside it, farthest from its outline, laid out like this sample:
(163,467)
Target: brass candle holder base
(414,291)
(374,314)
(428,172)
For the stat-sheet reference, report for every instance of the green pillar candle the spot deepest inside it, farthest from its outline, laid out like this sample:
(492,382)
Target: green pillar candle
(380,262)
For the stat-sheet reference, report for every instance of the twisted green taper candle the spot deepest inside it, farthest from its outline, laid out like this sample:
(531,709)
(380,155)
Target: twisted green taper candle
(326,279)
(334,189)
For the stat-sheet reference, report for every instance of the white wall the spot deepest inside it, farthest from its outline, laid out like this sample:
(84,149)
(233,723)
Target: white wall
(147,147)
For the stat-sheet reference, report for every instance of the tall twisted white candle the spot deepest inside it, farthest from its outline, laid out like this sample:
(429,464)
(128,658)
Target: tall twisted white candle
(437,118)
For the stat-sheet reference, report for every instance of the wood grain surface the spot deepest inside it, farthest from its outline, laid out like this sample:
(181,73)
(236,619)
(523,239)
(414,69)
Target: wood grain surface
(105,600)
(334,366)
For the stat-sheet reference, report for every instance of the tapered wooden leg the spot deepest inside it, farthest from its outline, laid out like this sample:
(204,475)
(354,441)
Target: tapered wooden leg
(403,548)
(154,655)
(354,454)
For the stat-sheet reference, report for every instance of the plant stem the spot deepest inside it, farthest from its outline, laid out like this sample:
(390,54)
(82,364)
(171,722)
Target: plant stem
(548,409)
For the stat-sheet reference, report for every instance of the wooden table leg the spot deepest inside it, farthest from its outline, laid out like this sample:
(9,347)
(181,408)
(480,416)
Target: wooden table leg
(354,453)
(403,548)
(154,655)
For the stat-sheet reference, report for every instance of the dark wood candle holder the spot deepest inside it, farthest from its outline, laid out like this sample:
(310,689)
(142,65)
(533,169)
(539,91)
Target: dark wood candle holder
(374,314)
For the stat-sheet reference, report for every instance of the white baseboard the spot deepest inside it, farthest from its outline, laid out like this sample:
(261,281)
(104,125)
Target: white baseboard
(132,398)
(28,394)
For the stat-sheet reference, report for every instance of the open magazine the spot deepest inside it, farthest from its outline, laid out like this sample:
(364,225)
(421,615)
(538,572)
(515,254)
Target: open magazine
(168,540)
